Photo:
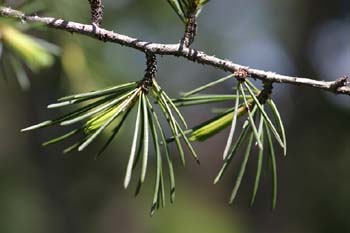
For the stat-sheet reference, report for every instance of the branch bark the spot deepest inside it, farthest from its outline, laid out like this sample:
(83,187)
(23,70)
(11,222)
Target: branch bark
(339,86)
(190,30)
(96,11)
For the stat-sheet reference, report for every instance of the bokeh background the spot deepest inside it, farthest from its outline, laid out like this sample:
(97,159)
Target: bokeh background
(43,191)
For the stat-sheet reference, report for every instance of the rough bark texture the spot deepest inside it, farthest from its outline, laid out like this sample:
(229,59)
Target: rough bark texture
(190,30)
(96,11)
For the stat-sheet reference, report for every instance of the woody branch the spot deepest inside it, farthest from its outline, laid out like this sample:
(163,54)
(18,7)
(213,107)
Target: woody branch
(339,86)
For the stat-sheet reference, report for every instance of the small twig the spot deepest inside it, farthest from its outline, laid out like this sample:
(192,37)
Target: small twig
(174,50)
(266,92)
(150,72)
(190,30)
(96,11)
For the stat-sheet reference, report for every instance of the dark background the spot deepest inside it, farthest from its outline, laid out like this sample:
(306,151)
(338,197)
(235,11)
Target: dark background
(43,191)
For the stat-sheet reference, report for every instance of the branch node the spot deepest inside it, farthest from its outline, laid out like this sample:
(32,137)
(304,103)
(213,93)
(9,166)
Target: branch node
(241,74)
(340,82)
(192,54)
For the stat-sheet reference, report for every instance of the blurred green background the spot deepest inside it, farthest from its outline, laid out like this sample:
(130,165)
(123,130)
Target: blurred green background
(43,191)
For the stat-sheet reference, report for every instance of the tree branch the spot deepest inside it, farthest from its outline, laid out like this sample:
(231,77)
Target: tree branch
(190,30)
(339,86)
(96,11)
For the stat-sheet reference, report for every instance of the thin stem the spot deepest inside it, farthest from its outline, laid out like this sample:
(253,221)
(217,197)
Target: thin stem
(96,11)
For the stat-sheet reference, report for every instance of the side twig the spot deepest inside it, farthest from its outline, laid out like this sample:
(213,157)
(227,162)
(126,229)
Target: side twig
(340,86)
(96,11)
(190,30)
